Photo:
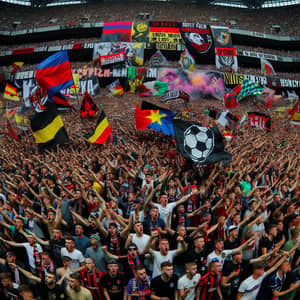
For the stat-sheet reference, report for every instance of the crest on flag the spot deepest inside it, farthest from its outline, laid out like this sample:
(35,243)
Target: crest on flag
(187,61)
(158,59)
(88,106)
(266,67)
(38,99)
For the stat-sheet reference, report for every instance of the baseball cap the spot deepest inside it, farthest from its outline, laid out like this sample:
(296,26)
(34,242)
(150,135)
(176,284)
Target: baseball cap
(10,253)
(95,236)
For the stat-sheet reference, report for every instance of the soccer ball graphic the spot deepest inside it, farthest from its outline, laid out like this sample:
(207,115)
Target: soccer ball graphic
(198,142)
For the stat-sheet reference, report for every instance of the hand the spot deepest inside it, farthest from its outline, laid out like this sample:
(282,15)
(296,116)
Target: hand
(104,248)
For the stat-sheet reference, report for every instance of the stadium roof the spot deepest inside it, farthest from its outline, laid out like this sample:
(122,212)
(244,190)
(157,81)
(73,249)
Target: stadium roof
(231,3)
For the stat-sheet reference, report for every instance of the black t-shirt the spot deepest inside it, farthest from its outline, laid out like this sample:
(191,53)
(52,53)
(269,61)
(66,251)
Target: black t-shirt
(232,245)
(264,242)
(164,289)
(228,268)
(57,293)
(114,285)
(199,258)
(55,246)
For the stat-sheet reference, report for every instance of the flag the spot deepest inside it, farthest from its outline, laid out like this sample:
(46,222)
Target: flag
(11,132)
(101,132)
(116,32)
(115,88)
(187,61)
(11,93)
(294,114)
(227,119)
(158,59)
(202,145)
(175,95)
(259,120)
(62,103)
(54,73)
(15,66)
(249,88)
(88,107)
(48,129)
(266,67)
(38,99)
(159,120)
(75,88)
(135,77)
(153,88)
(10,112)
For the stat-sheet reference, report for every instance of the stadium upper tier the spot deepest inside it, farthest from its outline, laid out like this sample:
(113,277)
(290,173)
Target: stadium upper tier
(284,20)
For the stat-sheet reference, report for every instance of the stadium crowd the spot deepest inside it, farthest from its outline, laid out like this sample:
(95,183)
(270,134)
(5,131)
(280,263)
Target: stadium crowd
(133,220)
(285,17)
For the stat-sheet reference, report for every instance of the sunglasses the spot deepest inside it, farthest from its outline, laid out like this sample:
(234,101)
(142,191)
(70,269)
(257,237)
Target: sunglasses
(131,249)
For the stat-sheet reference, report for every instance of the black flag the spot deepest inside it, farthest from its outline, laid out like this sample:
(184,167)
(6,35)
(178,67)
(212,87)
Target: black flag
(203,145)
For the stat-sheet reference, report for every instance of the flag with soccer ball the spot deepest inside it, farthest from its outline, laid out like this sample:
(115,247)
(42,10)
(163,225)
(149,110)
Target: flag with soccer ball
(202,145)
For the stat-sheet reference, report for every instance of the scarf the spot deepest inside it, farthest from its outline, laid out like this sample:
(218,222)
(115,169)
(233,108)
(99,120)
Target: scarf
(133,265)
(36,255)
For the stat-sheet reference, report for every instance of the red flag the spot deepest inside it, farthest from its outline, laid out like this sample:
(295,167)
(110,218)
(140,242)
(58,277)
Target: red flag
(11,132)
(88,106)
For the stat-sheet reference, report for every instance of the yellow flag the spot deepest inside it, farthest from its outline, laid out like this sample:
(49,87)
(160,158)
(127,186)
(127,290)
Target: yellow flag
(74,89)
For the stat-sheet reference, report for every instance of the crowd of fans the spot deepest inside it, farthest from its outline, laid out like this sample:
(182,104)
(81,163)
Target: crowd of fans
(133,220)
(254,20)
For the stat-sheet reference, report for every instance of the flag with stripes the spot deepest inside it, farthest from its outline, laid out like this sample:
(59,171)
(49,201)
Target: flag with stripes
(116,32)
(249,88)
(101,132)
(11,93)
(48,129)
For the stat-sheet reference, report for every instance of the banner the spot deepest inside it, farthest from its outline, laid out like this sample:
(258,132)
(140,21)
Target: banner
(140,31)
(165,35)
(112,59)
(196,36)
(158,59)
(197,84)
(134,52)
(222,37)
(175,95)
(226,57)
(116,32)
(259,120)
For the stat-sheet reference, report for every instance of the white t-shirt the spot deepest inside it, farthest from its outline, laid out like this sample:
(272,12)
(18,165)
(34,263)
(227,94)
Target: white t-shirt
(29,250)
(250,287)
(165,211)
(76,255)
(158,259)
(221,258)
(185,283)
(141,242)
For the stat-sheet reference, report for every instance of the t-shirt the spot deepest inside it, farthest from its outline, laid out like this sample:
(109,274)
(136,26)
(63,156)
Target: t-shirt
(158,259)
(274,283)
(140,242)
(228,268)
(185,283)
(250,287)
(81,244)
(164,211)
(98,257)
(114,285)
(199,258)
(83,294)
(162,288)
(76,256)
(245,187)
(221,258)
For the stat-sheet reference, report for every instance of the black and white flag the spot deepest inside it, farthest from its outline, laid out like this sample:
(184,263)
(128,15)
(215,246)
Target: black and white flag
(202,145)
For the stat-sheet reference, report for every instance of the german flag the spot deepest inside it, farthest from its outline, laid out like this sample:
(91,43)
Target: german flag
(101,132)
(11,93)
(48,129)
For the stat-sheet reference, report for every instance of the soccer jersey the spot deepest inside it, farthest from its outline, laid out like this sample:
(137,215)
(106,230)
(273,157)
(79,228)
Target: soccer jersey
(250,287)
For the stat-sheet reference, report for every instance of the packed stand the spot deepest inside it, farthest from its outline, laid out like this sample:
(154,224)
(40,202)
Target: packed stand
(134,220)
